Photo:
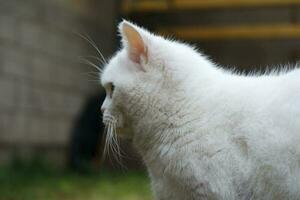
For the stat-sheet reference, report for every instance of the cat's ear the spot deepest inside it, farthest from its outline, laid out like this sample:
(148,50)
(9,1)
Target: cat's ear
(133,41)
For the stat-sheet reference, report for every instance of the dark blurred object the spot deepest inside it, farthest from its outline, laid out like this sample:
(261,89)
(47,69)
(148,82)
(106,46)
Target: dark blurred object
(86,146)
(86,136)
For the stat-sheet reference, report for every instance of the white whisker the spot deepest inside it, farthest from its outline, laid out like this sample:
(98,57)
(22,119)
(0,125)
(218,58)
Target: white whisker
(98,50)
(90,73)
(111,141)
(88,62)
(96,58)
(91,42)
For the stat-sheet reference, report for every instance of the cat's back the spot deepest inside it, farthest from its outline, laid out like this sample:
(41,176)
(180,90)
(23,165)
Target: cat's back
(261,117)
(271,132)
(281,101)
(271,97)
(269,107)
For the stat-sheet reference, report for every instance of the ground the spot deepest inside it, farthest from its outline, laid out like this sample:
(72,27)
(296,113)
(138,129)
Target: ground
(40,184)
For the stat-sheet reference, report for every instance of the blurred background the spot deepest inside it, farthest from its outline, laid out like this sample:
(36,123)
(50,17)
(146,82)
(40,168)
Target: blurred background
(50,96)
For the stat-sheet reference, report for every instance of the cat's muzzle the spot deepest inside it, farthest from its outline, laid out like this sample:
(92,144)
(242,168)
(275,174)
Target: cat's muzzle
(108,119)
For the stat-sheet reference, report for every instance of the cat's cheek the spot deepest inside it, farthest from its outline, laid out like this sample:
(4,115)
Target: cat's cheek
(120,123)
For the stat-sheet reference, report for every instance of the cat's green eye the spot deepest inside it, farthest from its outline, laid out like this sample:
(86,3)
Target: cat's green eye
(111,88)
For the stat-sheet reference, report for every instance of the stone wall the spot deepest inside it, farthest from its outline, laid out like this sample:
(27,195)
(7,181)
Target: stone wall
(42,83)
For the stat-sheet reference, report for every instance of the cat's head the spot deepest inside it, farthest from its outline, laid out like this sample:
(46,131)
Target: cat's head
(143,79)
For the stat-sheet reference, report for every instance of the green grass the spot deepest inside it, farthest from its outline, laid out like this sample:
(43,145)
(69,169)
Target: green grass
(41,184)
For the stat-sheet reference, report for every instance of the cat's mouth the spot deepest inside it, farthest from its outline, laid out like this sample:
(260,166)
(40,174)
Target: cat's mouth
(116,125)
(116,119)
(109,119)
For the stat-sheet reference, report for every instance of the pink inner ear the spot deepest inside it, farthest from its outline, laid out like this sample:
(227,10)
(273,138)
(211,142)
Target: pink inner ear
(135,54)
(136,45)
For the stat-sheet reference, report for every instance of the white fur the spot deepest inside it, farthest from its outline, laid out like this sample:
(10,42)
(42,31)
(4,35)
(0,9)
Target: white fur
(205,133)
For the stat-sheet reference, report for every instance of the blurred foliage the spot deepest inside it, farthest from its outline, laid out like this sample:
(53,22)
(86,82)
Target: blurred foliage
(37,182)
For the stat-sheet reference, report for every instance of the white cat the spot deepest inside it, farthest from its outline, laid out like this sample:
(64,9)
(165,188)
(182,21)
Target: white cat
(203,132)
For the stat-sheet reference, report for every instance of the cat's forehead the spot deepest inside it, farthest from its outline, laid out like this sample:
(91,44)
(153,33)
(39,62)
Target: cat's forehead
(116,68)
(109,71)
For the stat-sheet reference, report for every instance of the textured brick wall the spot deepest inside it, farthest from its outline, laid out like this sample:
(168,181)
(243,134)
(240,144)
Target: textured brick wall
(42,83)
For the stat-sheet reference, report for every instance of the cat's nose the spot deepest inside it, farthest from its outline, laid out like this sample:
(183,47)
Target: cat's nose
(102,110)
